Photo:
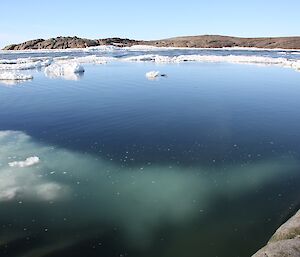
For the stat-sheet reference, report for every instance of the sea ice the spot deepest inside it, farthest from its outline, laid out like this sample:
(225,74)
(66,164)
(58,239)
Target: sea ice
(24,64)
(239,59)
(152,74)
(296,65)
(14,76)
(67,70)
(85,59)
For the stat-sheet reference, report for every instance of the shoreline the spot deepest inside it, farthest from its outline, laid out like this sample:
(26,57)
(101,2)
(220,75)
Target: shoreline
(149,48)
(190,42)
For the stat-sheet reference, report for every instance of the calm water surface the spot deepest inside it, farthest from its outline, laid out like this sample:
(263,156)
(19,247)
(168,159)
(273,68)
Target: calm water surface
(203,162)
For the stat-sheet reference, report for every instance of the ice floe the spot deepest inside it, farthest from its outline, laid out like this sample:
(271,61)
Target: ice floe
(11,76)
(103,48)
(66,70)
(93,59)
(238,59)
(206,58)
(296,65)
(106,54)
(89,59)
(152,74)
(24,64)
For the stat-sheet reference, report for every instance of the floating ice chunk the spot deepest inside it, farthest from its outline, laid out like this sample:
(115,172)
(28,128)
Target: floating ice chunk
(14,76)
(24,60)
(145,48)
(24,64)
(152,74)
(239,59)
(64,70)
(85,59)
(296,65)
(93,59)
(140,58)
(103,48)
(30,161)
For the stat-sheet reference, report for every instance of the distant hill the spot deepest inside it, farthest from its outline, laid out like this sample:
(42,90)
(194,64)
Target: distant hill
(216,41)
(205,41)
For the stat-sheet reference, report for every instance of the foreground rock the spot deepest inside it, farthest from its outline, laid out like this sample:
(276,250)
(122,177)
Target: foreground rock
(285,242)
(206,41)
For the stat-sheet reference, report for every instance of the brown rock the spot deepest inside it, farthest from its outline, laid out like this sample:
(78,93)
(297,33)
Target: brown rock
(285,242)
(206,41)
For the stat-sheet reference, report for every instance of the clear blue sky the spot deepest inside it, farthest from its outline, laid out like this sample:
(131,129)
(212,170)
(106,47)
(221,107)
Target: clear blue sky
(22,20)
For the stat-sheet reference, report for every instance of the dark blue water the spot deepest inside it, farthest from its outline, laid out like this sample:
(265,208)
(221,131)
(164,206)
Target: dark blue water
(203,162)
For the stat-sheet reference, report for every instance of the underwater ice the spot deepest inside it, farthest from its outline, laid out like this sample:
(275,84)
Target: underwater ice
(112,190)
(30,161)
(134,200)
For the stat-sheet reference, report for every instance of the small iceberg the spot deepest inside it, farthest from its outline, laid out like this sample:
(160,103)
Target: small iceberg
(14,76)
(154,74)
(30,161)
(68,71)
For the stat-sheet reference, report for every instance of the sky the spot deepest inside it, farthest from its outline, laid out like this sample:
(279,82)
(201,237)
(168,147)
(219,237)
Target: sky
(157,19)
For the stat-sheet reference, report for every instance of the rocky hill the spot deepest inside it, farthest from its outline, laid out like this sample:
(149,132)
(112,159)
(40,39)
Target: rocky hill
(215,41)
(70,42)
(205,41)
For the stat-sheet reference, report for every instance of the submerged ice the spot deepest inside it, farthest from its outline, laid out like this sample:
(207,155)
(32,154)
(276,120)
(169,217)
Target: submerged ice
(134,199)
(30,161)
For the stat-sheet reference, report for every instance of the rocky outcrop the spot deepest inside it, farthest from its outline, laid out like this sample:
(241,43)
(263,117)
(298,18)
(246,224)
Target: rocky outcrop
(70,42)
(54,43)
(285,242)
(121,42)
(206,41)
